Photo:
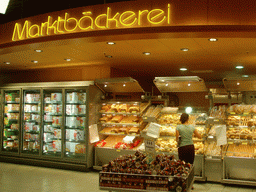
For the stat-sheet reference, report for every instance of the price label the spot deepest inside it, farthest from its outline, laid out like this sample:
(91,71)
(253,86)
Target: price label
(145,117)
(244,143)
(118,150)
(134,111)
(230,143)
(232,113)
(246,113)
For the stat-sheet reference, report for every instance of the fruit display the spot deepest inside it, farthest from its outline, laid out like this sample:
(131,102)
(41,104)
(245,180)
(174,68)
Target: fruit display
(164,173)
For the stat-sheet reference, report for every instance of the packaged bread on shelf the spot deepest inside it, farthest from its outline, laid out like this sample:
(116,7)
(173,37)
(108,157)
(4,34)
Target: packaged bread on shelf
(117,119)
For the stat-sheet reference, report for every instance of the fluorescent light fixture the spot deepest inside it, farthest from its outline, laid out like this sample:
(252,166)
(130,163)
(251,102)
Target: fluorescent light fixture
(213,39)
(3,6)
(184,49)
(239,67)
(245,75)
(38,51)
(111,43)
(67,59)
(34,61)
(188,110)
(146,53)
(7,63)
(183,69)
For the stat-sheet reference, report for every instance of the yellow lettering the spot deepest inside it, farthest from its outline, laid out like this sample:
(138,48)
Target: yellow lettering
(169,13)
(31,31)
(98,19)
(130,16)
(42,27)
(21,33)
(111,19)
(140,14)
(156,14)
(70,22)
(59,23)
(51,26)
(83,18)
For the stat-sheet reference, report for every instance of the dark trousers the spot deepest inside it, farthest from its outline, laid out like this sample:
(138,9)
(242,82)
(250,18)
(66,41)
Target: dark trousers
(187,153)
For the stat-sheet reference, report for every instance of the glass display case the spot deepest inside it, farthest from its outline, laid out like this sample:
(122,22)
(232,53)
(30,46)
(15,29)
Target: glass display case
(31,121)
(11,120)
(75,123)
(52,122)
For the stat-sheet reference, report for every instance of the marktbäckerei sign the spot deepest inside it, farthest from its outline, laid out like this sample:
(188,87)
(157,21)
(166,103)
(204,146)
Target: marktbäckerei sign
(66,23)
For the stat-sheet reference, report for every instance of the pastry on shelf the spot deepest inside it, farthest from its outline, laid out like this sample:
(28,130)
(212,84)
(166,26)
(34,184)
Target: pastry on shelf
(135,130)
(114,108)
(106,118)
(123,108)
(105,108)
(134,109)
(117,119)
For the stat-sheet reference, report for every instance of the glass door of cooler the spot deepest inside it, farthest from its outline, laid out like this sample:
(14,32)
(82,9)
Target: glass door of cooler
(52,122)
(75,123)
(31,121)
(11,120)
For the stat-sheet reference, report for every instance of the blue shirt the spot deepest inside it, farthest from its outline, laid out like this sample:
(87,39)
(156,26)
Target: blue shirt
(186,133)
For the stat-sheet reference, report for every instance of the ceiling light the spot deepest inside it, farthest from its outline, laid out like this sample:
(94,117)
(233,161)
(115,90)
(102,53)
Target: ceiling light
(124,85)
(189,84)
(183,69)
(34,61)
(4,5)
(146,53)
(188,110)
(7,63)
(67,59)
(38,51)
(238,83)
(245,75)
(111,43)
(166,84)
(184,49)
(105,85)
(108,56)
(213,39)
(239,67)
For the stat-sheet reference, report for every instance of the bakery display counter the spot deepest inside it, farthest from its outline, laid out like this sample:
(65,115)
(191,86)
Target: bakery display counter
(237,170)
(135,173)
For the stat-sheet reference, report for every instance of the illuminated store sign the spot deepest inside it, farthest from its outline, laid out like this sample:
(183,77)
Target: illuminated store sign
(89,22)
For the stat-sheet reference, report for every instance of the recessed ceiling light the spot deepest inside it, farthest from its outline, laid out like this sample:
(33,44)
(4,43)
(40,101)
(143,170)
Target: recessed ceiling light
(108,56)
(33,61)
(38,50)
(245,75)
(239,67)
(189,84)
(111,43)
(184,49)
(238,83)
(67,59)
(146,53)
(183,69)
(124,85)
(213,39)
(7,63)
(105,85)
(166,84)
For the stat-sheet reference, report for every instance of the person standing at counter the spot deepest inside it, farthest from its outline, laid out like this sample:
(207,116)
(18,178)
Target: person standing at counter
(184,133)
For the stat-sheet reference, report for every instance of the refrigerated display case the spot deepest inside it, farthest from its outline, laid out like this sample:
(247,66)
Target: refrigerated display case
(48,123)
(11,133)
(75,123)
(31,121)
(52,122)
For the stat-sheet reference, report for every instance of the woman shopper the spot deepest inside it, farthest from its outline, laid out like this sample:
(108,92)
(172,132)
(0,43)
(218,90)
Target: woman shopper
(184,133)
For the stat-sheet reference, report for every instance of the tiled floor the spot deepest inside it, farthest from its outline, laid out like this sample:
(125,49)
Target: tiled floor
(23,178)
